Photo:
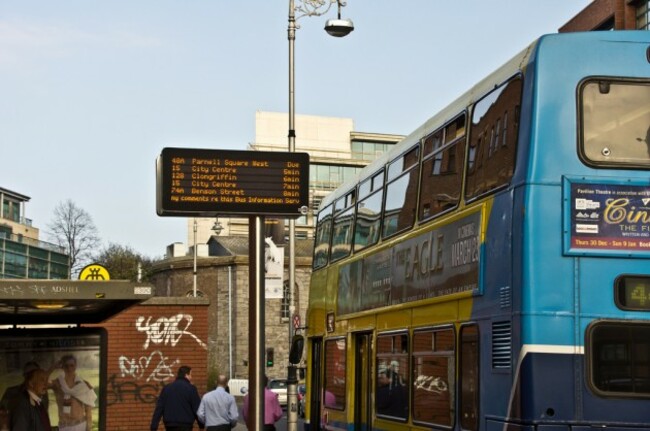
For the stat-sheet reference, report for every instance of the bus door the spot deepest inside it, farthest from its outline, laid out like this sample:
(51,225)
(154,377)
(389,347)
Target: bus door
(362,381)
(315,384)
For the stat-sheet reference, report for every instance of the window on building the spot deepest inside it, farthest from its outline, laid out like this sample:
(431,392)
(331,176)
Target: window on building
(286,301)
(642,15)
(11,210)
(366,150)
(329,177)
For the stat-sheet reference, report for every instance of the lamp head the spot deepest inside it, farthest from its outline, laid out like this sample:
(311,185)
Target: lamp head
(339,27)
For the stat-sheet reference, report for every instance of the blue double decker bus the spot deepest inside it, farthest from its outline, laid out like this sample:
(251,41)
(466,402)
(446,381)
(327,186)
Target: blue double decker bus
(492,271)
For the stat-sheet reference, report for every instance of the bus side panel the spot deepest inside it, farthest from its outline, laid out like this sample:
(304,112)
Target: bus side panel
(596,295)
(494,307)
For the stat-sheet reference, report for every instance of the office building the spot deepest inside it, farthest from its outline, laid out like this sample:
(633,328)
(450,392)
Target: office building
(22,253)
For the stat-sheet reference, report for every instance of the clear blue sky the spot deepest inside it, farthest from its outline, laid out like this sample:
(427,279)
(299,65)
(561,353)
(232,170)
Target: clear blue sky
(91,91)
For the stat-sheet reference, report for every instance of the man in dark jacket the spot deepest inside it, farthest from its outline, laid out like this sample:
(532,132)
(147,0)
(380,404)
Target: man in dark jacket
(177,404)
(30,412)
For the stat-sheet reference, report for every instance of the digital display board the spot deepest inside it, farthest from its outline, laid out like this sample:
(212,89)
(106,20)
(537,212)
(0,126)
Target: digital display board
(633,293)
(200,182)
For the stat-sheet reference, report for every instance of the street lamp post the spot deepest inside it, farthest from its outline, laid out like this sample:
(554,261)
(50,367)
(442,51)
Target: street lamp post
(338,28)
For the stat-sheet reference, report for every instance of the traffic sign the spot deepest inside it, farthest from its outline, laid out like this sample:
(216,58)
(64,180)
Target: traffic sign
(296,321)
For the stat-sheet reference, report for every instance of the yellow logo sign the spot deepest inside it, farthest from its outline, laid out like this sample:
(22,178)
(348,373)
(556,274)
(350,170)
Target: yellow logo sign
(94,272)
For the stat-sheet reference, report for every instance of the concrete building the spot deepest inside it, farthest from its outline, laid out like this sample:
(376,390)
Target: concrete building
(610,15)
(337,152)
(22,253)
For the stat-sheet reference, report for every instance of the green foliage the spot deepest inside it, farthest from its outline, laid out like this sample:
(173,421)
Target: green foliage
(122,262)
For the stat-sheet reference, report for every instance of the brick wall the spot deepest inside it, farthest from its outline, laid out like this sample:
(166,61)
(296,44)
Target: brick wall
(146,345)
(599,12)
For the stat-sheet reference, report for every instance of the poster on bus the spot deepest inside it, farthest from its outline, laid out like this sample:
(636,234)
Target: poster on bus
(439,262)
(55,373)
(605,218)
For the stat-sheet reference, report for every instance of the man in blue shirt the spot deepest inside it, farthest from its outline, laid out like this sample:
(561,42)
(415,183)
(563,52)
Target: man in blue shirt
(178,403)
(218,410)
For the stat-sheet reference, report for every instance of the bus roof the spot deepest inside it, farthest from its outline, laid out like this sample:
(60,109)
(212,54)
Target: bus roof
(513,66)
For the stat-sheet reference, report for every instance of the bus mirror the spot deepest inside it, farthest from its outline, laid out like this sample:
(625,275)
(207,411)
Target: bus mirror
(297,344)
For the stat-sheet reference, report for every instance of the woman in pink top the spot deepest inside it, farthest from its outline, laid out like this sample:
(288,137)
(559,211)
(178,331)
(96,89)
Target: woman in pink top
(272,409)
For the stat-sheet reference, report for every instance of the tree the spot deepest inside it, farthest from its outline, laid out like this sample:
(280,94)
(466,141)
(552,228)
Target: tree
(122,262)
(73,229)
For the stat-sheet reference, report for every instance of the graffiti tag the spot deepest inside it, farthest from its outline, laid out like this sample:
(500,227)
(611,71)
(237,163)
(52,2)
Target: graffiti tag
(138,367)
(167,331)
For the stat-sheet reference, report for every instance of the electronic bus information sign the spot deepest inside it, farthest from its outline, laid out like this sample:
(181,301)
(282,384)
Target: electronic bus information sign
(200,182)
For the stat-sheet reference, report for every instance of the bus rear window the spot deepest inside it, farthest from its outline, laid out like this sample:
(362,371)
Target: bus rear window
(619,358)
(615,123)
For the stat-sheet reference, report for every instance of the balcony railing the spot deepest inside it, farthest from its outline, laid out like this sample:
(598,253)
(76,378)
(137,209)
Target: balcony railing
(32,242)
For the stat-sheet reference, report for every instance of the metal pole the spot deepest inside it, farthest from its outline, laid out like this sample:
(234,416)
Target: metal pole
(230,364)
(194,283)
(256,323)
(292,396)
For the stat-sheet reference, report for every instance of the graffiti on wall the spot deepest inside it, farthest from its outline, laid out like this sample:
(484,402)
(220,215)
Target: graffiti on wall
(125,391)
(156,367)
(167,331)
(142,376)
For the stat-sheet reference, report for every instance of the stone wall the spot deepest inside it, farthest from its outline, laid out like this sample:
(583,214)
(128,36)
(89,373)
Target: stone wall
(225,281)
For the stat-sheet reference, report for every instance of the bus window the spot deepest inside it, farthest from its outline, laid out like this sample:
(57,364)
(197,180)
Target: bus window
(322,241)
(334,387)
(615,123)
(493,139)
(392,388)
(619,358)
(342,229)
(444,153)
(433,377)
(368,217)
(401,193)
(469,377)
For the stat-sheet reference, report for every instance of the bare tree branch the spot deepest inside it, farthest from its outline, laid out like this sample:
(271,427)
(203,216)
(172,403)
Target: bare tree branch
(73,229)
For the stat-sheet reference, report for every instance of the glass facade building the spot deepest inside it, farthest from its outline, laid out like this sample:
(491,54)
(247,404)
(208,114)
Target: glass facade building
(22,254)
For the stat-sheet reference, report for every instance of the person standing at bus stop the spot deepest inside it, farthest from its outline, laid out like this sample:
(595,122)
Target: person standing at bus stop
(178,403)
(272,409)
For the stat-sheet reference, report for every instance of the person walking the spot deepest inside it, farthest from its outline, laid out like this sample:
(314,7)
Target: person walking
(272,409)
(178,403)
(218,409)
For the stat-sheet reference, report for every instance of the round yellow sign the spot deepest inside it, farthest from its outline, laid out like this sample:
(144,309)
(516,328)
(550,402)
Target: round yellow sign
(94,272)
